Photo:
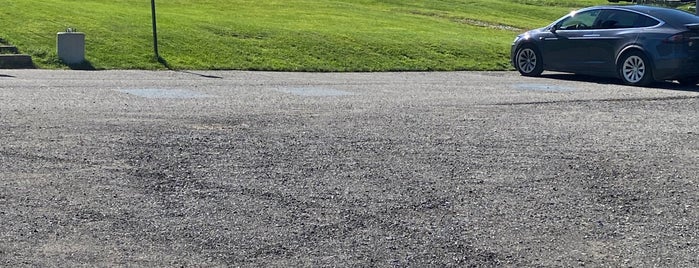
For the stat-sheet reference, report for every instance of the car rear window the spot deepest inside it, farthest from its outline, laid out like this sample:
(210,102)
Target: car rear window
(674,17)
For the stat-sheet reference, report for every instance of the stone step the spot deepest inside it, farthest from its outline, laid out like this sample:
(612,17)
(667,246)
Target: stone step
(7,49)
(16,61)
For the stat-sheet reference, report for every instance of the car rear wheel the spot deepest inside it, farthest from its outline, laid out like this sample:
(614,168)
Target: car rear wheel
(634,69)
(528,61)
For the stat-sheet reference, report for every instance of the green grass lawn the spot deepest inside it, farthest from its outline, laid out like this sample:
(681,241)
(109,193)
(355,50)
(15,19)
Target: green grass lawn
(283,35)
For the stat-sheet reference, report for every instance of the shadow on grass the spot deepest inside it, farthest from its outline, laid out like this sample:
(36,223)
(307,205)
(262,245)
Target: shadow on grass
(667,85)
(84,66)
(164,62)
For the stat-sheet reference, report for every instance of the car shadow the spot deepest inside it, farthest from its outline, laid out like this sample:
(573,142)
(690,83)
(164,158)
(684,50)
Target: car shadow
(667,85)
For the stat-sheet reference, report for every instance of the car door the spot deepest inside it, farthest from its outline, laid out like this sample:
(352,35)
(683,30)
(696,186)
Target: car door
(567,48)
(612,31)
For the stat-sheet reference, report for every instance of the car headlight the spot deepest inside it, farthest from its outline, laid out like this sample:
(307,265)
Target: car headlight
(520,37)
(517,38)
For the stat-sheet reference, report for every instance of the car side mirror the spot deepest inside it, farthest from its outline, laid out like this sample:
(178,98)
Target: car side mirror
(553,29)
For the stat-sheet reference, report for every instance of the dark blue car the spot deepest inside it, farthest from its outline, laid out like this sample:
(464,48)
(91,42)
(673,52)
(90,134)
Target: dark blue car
(638,44)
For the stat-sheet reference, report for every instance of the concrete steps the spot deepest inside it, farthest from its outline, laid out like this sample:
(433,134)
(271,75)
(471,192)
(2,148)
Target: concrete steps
(6,49)
(16,61)
(10,58)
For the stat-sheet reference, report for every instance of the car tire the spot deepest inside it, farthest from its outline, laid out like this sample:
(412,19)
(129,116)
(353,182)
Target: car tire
(528,61)
(634,69)
(688,81)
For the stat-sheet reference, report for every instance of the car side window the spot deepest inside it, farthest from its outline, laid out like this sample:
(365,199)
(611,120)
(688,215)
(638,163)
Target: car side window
(618,19)
(579,21)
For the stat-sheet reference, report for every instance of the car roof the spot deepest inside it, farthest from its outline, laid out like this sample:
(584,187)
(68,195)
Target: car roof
(637,8)
(669,15)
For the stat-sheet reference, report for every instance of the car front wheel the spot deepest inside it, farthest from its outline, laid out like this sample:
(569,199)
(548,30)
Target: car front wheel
(528,61)
(634,69)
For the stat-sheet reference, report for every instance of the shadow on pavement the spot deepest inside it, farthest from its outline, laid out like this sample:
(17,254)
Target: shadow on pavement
(202,75)
(84,66)
(668,85)
(167,65)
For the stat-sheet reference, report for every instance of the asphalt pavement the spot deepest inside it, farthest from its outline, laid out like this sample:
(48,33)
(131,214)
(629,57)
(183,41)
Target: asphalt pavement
(272,169)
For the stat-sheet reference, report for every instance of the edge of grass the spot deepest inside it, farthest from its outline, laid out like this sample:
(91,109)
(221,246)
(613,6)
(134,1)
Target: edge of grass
(283,35)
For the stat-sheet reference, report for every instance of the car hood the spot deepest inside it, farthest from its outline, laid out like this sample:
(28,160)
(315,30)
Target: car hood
(528,34)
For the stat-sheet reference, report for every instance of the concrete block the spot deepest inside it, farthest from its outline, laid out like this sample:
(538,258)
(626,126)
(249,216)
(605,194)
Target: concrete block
(71,47)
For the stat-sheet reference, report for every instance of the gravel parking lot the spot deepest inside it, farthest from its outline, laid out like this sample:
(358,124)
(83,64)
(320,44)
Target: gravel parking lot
(163,169)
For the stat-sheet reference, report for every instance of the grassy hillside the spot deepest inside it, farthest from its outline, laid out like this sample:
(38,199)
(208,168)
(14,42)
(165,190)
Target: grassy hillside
(288,35)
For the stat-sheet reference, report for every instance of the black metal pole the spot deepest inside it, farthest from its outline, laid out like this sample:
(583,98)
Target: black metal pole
(155,30)
(696,7)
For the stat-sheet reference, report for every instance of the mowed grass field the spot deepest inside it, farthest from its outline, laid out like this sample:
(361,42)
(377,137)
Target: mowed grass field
(283,35)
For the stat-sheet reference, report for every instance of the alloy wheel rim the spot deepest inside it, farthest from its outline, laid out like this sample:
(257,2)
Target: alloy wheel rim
(634,69)
(526,60)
